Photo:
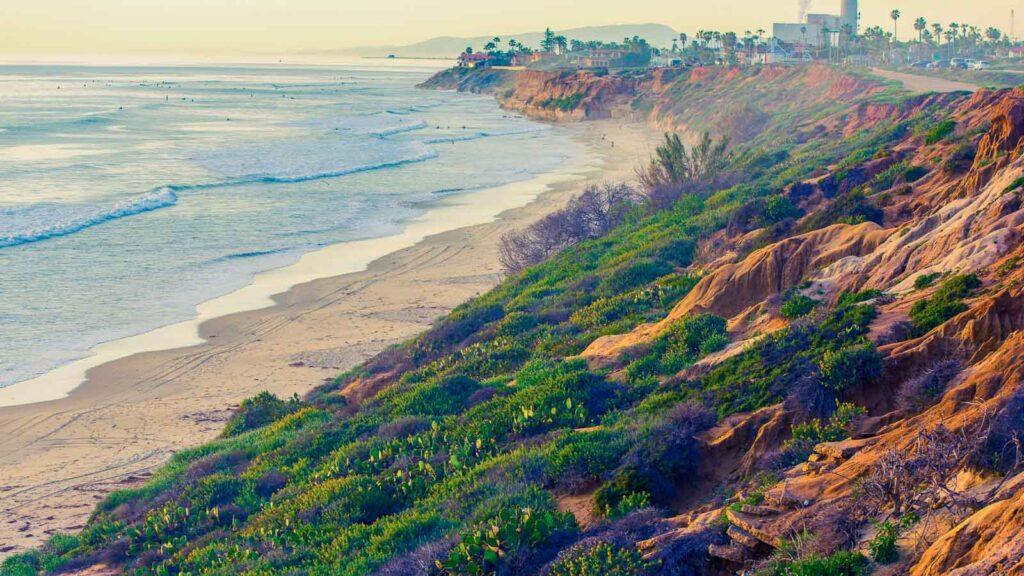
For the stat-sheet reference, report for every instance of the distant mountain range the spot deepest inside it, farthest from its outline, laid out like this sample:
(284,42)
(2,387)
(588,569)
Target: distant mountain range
(658,35)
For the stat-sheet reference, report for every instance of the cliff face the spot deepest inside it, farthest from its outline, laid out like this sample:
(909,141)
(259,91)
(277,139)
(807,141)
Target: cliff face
(556,96)
(955,219)
(742,103)
(962,213)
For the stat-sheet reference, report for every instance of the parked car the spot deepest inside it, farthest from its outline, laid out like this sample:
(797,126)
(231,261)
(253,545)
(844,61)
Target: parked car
(958,63)
(921,64)
(939,64)
(982,65)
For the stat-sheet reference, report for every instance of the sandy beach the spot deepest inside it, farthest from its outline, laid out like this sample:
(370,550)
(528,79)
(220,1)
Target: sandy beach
(59,457)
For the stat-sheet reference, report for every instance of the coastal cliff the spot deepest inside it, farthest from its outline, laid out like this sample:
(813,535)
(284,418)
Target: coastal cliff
(746,104)
(811,367)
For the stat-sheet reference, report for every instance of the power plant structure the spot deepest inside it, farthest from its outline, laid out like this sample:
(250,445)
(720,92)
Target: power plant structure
(849,16)
(819,29)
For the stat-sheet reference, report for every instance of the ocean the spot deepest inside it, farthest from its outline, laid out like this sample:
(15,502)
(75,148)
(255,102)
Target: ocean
(131,195)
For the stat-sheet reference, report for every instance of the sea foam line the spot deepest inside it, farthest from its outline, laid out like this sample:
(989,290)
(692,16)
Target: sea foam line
(399,129)
(147,202)
(478,136)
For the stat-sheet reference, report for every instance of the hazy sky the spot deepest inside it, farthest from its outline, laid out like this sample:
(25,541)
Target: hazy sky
(275,26)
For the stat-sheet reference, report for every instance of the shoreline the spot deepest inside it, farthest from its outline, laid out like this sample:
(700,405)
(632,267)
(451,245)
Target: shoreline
(265,288)
(60,457)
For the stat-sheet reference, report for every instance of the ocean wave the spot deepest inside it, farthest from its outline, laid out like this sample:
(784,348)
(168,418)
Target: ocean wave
(478,136)
(155,200)
(253,254)
(421,107)
(401,128)
(68,124)
(284,179)
(168,196)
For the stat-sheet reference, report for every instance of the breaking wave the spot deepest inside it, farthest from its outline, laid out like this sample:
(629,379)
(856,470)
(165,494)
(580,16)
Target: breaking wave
(145,203)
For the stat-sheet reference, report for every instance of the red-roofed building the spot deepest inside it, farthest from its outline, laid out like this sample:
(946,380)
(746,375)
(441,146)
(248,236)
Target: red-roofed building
(472,60)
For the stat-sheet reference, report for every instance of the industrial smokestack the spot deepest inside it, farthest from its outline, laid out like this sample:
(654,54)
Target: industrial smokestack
(849,15)
(803,6)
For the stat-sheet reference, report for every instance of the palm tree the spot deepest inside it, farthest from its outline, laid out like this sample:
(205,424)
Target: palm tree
(937,32)
(921,25)
(952,34)
(561,43)
(682,39)
(993,35)
(895,15)
(950,38)
(729,42)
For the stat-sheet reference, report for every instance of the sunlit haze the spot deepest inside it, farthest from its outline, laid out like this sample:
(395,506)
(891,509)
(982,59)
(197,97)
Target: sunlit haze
(237,27)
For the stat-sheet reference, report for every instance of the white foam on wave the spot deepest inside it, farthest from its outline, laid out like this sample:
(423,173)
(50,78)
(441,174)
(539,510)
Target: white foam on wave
(291,179)
(479,135)
(137,205)
(410,127)
(325,156)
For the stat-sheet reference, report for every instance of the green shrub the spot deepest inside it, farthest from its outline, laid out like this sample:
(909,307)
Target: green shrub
(813,432)
(566,104)
(678,252)
(686,341)
(482,550)
(850,365)
(582,457)
(797,305)
(258,411)
(601,560)
(883,545)
(915,173)
(626,484)
(838,564)
(634,275)
(629,503)
(515,324)
(778,208)
(26,564)
(1016,184)
(946,303)
(848,299)
(926,280)
(850,208)
(940,132)
(433,398)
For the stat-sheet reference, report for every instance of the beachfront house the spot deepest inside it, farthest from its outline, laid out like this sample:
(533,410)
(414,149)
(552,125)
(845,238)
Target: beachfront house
(597,58)
(525,58)
(666,60)
(473,60)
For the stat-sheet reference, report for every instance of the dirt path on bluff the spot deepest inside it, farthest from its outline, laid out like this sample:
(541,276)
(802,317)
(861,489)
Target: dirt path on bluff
(924,84)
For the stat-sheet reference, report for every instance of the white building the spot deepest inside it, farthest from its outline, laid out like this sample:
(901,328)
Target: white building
(805,34)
